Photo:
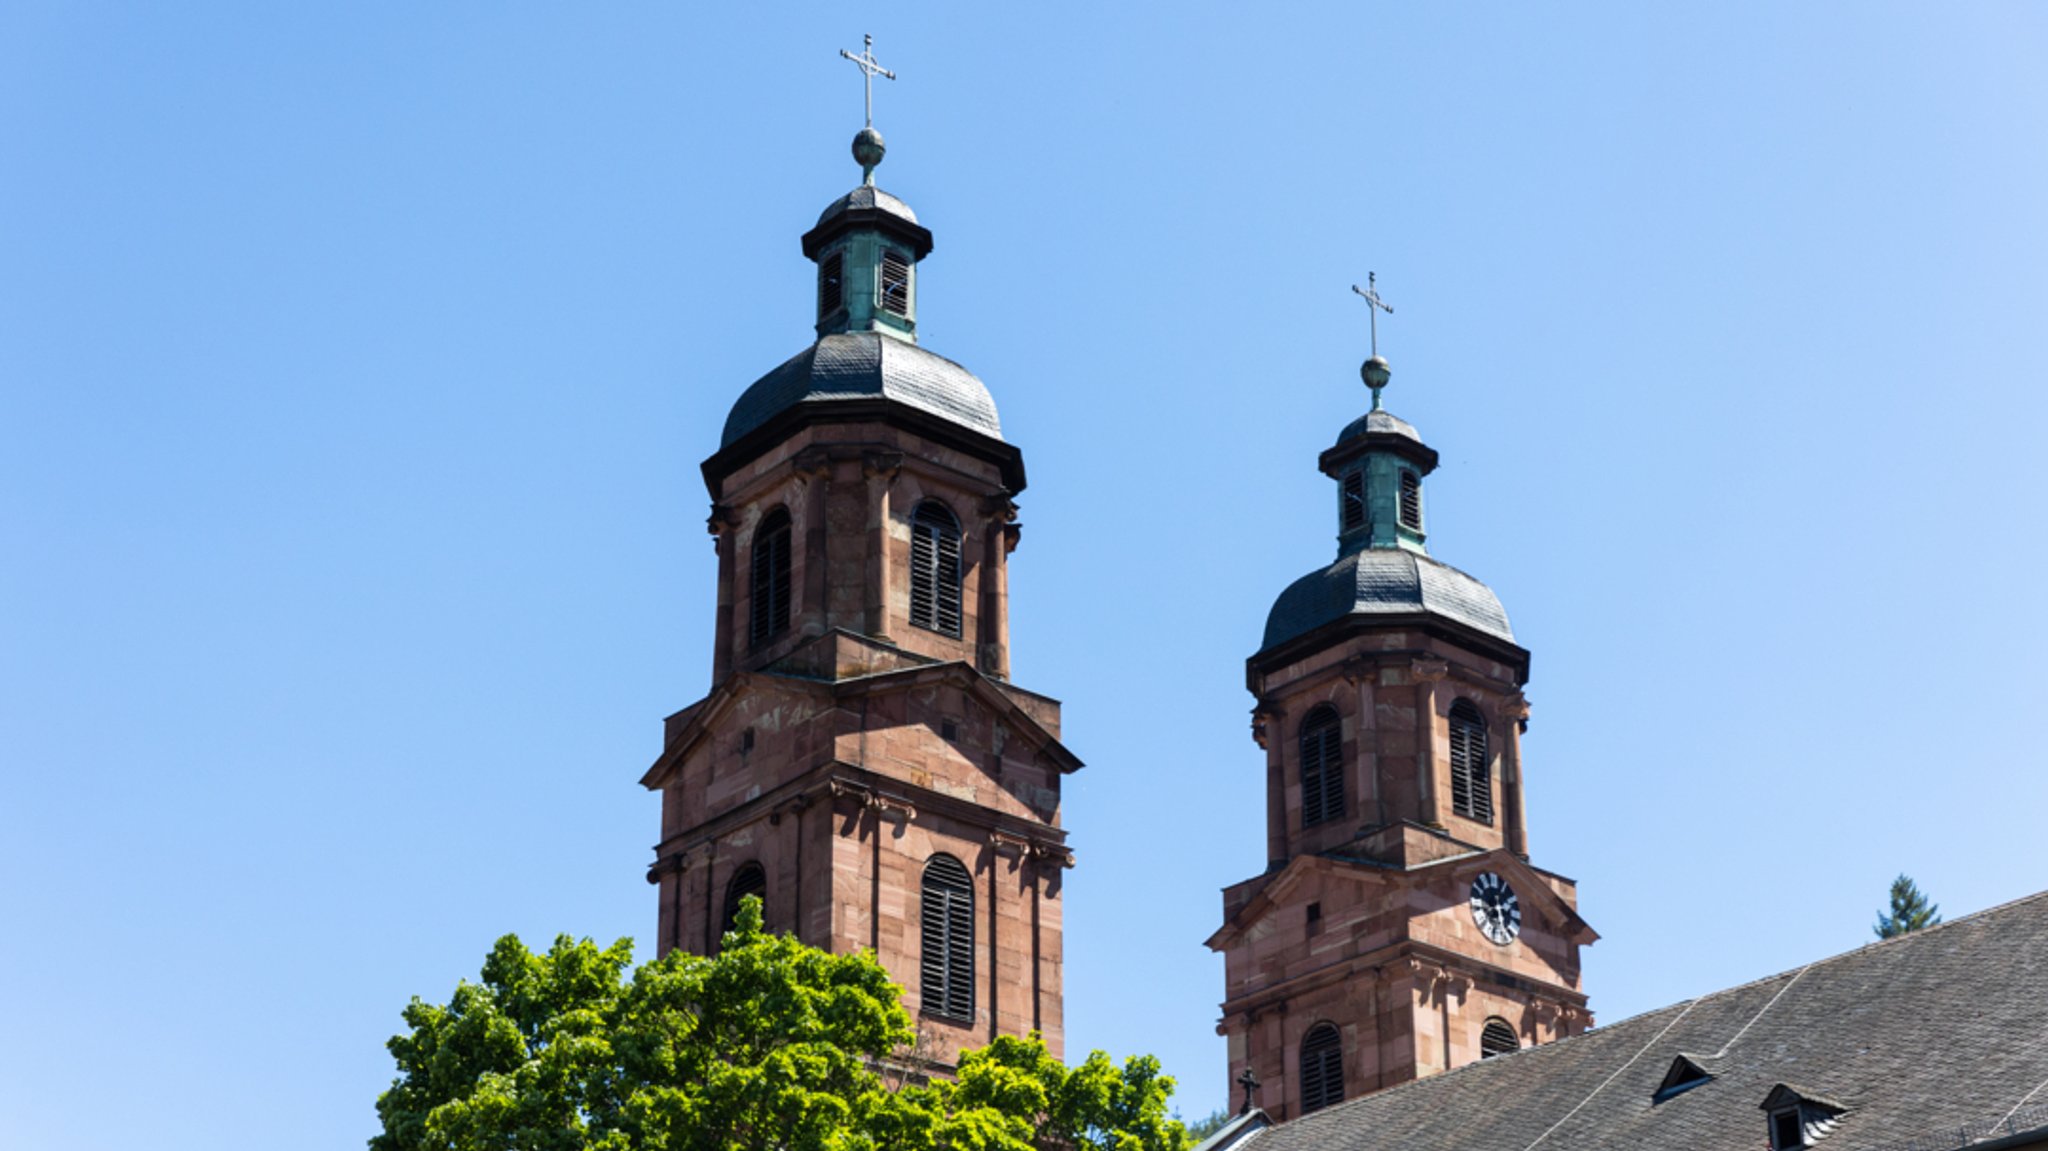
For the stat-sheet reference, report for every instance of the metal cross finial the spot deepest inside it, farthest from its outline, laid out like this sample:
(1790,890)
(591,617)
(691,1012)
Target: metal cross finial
(1373,306)
(1250,1083)
(869,69)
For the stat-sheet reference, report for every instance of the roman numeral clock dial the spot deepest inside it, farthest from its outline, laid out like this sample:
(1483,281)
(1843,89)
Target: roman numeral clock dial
(1495,908)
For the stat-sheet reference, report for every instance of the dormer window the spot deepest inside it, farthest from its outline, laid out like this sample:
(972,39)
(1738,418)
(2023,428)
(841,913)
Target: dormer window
(895,290)
(831,286)
(1799,1119)
(1354,502)
(1411,501)
(1683,1076)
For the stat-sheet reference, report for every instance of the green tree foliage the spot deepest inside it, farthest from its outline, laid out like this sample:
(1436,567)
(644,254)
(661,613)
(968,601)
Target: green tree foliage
(1910,910)
(1208,1125)
(772,1044)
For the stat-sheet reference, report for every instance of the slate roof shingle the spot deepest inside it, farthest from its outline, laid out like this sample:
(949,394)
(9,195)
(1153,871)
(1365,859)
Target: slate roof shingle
(1923,1039)
(866,365)
(1384,581)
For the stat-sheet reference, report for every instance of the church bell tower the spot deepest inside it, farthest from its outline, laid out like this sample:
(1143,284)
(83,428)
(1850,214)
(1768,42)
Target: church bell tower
(1399,929)
(862,761)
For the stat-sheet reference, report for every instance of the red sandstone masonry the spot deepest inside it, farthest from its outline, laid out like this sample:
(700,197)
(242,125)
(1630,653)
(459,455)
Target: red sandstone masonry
(842,755)
(1394,959)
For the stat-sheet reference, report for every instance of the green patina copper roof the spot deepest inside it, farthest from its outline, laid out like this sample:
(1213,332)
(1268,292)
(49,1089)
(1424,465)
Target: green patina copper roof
(1383,569)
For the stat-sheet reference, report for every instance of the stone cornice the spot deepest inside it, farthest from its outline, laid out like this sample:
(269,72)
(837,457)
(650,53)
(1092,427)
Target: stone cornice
(1347,628)
(886,795)
(998,697)
(1372,667)
(784,425)
(1420,962)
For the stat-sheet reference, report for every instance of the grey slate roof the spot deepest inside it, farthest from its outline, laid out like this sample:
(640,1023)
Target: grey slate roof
(867,196)
(1916,1037)
(866,365)
(1384,581)
(1381,421)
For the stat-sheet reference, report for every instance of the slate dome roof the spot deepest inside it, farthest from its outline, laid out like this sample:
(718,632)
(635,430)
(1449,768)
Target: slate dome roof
(1384,422)
(1384,581)
(862,366)
(867,196)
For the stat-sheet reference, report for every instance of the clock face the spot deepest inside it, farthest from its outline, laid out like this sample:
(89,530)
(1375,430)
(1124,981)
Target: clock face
(1495,908)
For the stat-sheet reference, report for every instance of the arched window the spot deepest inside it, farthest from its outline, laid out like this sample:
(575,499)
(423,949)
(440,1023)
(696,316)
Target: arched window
(935,568)
(1471,775)
(1322,1068)
(948,956)
(1497,1038)
(771,576)
(1411,501)
(748,880)
(1322,768)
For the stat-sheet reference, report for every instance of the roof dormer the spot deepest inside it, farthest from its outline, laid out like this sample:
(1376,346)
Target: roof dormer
(1798,1118)
(1683,1076)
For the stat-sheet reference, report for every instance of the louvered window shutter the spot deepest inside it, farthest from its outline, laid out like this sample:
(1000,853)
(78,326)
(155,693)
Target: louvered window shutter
(1322,768)
(1498,1038)
(946,966)
(1354,502)
(770,614)
(895,284)
(1322,1068)
(1411,501)
(830,291)
(1471,770)
(935,569)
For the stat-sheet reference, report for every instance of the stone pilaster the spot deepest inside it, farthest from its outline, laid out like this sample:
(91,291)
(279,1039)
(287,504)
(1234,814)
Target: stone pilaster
(721,523)
(1429,729)
(1514,715)
(813,468)
(880,469)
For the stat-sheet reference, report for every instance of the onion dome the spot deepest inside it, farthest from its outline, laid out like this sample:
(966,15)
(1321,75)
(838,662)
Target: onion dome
(866,362)
(1381,584)
(852,366)
(1384,573)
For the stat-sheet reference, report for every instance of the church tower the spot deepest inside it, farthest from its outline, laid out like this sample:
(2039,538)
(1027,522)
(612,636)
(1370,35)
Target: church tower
(863,762)
(1399,929)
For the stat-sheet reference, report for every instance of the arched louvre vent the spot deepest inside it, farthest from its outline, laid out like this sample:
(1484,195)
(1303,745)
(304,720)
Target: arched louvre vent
(895,284)
(1322,1068)
(748,880)
(1497,1038)
(947,967)
(935,568)
(771,577)
(1354,502)
(1322,767)
(1411,501)
(831,288)
(1471,776)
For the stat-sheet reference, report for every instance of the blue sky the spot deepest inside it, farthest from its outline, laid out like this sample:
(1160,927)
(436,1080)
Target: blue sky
(355,365)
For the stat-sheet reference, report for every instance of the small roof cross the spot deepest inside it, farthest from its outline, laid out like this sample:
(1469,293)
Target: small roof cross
(1250,1083)
(869,69)
(1373,306)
